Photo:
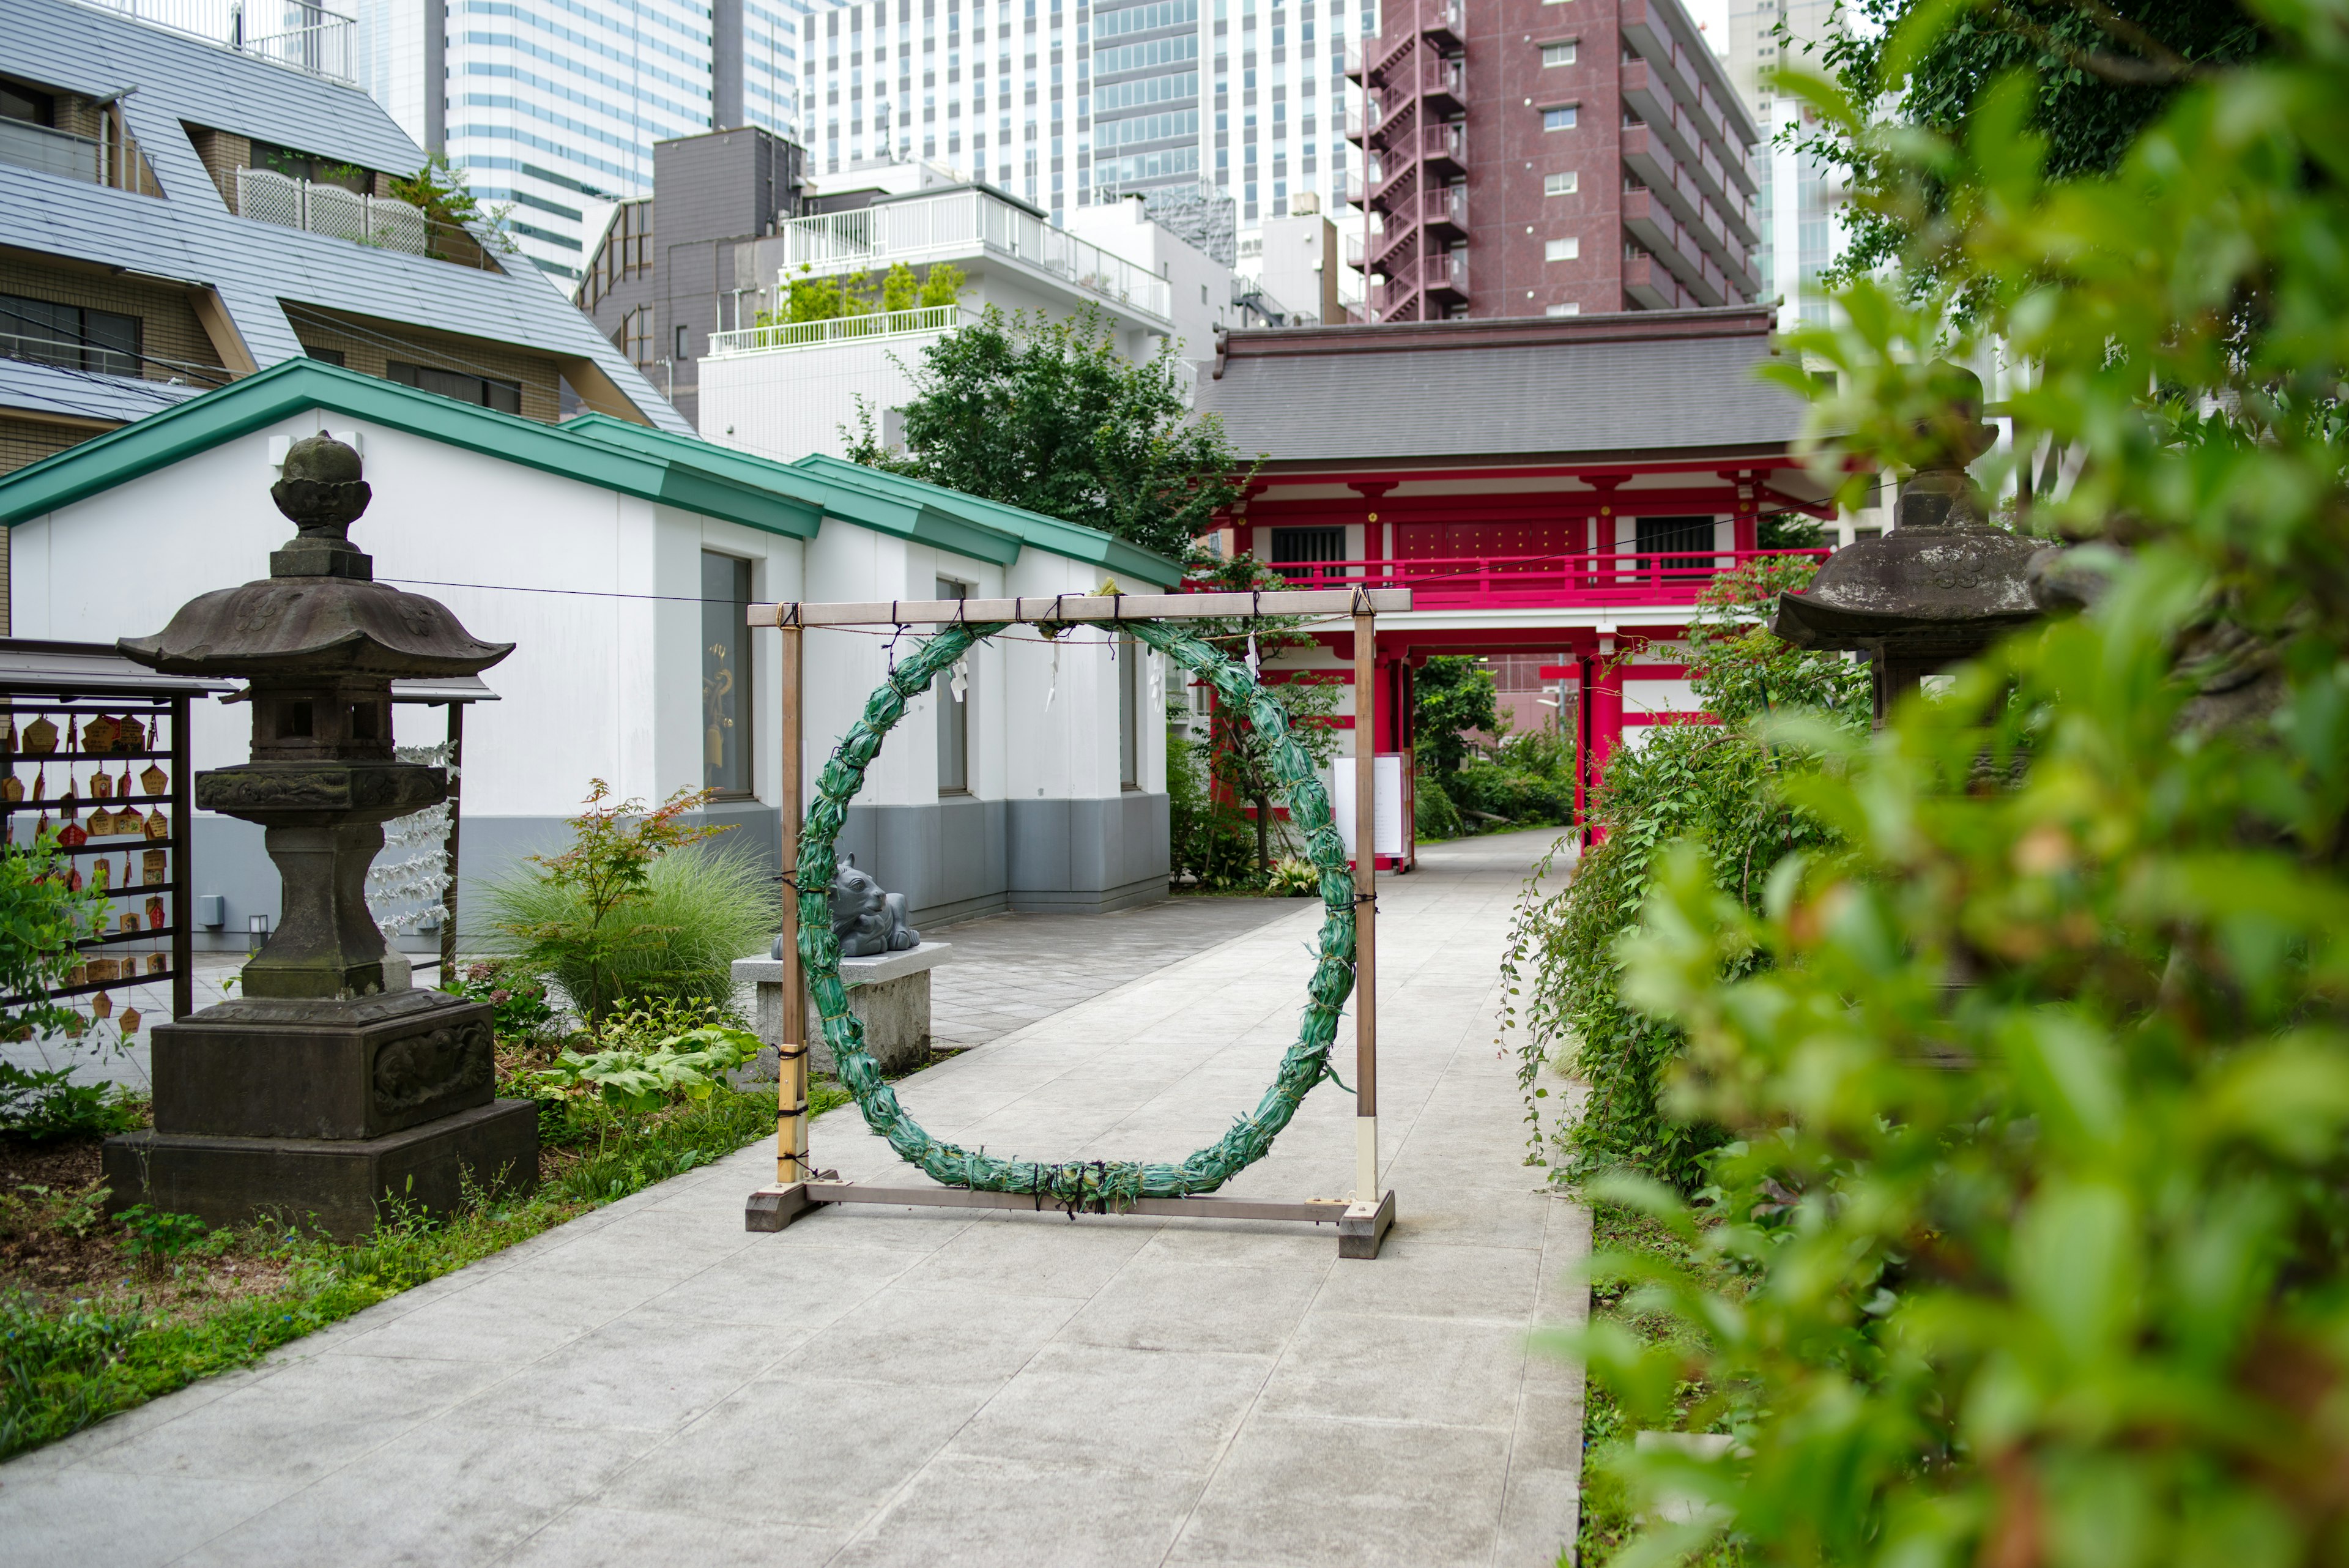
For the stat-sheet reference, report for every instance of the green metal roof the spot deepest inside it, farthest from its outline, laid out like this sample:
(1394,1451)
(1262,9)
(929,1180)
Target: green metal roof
(678,471)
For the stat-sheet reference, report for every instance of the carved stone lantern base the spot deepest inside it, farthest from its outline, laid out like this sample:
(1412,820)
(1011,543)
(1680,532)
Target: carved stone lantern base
(305,1108)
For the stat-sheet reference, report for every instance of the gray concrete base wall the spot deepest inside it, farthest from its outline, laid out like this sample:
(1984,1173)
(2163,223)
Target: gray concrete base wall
(953,859)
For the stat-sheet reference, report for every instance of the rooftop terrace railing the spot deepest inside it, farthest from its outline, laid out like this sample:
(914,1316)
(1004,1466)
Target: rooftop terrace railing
(293,33)
(964,222)
(383,222)
(838,330)
(1544,582)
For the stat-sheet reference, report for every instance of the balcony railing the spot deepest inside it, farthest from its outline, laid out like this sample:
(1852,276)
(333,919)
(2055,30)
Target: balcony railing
(962,223)
(1445,272)
(839,329)
(1547,582)
(268,197)
(1445,21)
(293,33)
(1442,80)
(47,151)
(1446,144)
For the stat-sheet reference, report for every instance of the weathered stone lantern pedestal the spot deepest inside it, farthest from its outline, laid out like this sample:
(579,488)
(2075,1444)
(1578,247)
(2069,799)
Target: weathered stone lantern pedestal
(318,1095)
(1941,587)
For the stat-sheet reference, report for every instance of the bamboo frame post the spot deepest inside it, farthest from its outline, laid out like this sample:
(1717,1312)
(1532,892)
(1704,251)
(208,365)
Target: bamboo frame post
(791,1047)
(1366,911)
(184,878)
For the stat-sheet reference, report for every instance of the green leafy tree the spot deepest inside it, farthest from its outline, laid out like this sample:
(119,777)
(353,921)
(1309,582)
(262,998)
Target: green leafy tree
(2099,75)
(2038,1080)
(440,192)
(1451,695)
(1050,416)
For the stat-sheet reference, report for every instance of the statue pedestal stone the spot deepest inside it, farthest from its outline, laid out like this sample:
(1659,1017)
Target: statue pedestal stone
(317,1110)
(889,994)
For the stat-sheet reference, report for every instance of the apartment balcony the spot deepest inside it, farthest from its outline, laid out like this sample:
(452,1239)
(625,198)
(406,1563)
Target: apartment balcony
(1354,251)
(1359,122)
(1444,24)
(881,326)
(1444,277)
(47,152)
(1443,210)
(962,225)
(1357,52)
(1443,149)
(1651,159)
(1539,582)
(1650,286)
(1443,85)
(1647,221)
(1649,91)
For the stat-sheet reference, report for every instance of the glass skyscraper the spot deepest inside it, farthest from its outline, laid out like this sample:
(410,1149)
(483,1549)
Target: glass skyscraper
(552,107)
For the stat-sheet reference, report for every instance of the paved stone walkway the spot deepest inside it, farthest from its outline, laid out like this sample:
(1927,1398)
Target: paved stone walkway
(650,1384)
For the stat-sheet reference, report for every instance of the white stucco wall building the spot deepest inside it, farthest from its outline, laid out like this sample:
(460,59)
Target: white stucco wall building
(593,549)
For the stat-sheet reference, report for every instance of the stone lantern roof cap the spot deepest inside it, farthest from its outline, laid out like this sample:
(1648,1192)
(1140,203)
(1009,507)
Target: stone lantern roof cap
(319,614)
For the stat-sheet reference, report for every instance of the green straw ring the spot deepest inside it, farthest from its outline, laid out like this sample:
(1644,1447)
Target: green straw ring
(1102,1185)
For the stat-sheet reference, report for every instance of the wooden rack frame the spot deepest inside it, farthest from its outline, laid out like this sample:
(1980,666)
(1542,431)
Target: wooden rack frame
(1363,1221)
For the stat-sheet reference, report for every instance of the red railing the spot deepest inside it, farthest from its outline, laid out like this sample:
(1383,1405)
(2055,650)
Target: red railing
(1539,581)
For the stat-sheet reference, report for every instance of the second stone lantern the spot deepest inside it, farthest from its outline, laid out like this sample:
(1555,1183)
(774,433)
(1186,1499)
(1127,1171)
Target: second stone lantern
(319,1094)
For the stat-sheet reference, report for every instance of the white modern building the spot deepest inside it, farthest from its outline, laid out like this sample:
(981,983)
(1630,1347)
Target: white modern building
(1066,103)
(1796,207)
(619,561)
(785,391)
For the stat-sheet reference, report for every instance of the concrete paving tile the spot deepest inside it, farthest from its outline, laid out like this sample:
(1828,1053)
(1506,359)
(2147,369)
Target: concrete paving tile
(1359,1493)
(1449,1372)
(802,1287)
(923,1337)
(82,1517)
(492,1333)
(644,1372)
(1540,1509)
(1034,1255)
(304,1422)
(995,1511)
(703,1532)
(1155,1410)
(458,1490)
(1419,1279)
(816,1451)
(1190,1307)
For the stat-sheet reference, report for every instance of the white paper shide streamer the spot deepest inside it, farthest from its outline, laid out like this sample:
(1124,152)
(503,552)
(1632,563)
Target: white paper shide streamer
(410,877)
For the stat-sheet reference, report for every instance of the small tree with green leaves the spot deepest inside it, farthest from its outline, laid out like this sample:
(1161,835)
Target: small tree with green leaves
(1049,415)
(41,919)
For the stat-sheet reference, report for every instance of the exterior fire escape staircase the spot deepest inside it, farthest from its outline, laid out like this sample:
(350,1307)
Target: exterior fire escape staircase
(1415,141)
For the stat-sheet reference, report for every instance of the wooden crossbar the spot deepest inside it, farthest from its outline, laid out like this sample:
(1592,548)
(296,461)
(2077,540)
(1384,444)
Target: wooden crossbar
(1089,608)
(1361,1225)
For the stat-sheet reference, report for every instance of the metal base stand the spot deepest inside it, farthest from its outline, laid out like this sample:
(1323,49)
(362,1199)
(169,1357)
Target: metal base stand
(1362,1227)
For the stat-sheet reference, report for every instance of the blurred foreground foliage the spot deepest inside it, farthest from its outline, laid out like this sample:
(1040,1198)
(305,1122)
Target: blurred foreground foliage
(2035,1071)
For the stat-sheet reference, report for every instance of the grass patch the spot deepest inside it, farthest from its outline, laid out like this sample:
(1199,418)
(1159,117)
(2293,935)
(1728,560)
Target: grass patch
(1609,1516)
(97,1317)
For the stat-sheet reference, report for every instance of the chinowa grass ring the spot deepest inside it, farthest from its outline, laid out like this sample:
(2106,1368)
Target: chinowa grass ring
(1074,1185)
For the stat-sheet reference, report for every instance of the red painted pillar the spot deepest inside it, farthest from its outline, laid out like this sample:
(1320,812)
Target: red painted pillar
(1749,515)
(1603,702)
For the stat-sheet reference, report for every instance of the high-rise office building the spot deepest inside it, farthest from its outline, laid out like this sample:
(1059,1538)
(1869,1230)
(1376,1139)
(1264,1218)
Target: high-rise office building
(1796,199)
(1552,157)
(1067,103)
(551,108)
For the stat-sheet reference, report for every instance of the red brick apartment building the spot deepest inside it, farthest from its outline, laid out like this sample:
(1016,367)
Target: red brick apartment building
(1549,158)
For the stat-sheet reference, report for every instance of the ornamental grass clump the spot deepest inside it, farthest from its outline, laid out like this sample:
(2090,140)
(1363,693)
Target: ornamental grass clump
(640,909)
(2035,1073)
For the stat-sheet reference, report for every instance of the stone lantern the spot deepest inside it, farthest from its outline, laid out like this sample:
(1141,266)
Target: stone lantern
(318,1091)
(1941,586)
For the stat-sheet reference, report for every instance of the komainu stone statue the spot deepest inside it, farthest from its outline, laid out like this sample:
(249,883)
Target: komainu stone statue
(865,919)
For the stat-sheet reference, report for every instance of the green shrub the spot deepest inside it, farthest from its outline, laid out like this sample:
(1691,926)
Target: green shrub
(46,1104)
(1293,877)
(1706,781)
(517,997)
(675,939)
(1434,817)
(2038,1071)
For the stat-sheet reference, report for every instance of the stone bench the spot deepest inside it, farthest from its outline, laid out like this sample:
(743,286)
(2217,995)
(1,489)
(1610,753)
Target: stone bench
(889,994)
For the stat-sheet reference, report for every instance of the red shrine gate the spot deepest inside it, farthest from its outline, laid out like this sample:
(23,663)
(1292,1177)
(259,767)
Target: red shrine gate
(1555,488)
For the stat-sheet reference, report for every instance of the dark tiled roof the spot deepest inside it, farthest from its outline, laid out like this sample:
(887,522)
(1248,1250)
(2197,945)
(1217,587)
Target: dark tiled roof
(1659,382)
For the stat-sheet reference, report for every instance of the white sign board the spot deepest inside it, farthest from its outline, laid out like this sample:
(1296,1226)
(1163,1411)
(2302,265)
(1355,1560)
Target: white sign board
(1386,769)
